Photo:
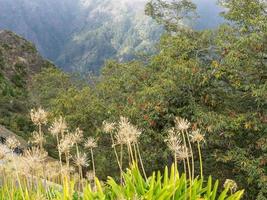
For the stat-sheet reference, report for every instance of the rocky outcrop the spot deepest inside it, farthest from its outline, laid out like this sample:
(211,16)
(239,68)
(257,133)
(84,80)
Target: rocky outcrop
(18,57)
(5,133)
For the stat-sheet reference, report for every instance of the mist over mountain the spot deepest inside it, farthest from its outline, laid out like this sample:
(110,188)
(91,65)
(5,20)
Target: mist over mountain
(208,14)
(79,35)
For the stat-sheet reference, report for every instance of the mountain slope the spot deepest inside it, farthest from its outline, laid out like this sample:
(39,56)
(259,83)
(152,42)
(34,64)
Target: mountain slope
(19,61)
(79,35)
(112,29)
(46,23)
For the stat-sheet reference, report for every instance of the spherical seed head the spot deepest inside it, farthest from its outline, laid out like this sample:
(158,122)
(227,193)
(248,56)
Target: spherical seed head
(127,133)
(65,170)
(231,184)
(77,136)
(173,141)
(12,142)
(65,144)
(182,124)
(39,116)
(37,138)
(183,153)
(58,126)
(35,155)
(108,127)
(81,160)
(196,136)
(34,160)
(90,143)
(90,175)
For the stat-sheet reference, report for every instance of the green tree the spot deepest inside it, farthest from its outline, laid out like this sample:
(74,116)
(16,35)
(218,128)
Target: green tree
(227,96)
(215,78)
(174,15)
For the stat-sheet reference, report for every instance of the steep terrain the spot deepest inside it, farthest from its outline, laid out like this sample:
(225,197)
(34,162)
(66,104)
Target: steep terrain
(109,29)
(79,35)
(19,61)
(46,23)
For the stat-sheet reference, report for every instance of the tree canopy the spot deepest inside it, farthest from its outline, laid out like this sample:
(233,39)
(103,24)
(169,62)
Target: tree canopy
(215,78)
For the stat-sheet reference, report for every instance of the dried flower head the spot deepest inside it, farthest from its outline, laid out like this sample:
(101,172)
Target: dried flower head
(37,138)
(127,133)
(66,143)
(58,126)
(35,155)
(77,136)
(108,127)
(65,170)
(90,175)
(173,141)
(196,136)
(183,153)
(39,116)
(181,124)
(81,160)
(231,184)
(34,161)
(12,142)
(90,143)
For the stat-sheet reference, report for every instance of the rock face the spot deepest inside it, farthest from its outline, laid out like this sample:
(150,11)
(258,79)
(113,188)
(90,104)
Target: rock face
(18,57)
(5,133)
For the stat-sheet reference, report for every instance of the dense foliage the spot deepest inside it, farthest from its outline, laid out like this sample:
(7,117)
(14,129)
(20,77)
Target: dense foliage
(19,60)
(215,78)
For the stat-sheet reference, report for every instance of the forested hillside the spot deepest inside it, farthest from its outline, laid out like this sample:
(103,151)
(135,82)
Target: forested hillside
(216,79)
(198,105)
(19,62)
(79,35)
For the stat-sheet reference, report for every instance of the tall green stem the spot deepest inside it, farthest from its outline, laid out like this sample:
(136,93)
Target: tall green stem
(131,153)
(200,160)
(141,161)
(121,162)
(117,157)
(40,133)
(192,155)
(188,161)
(187,158)
(60,159)
(93,162)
